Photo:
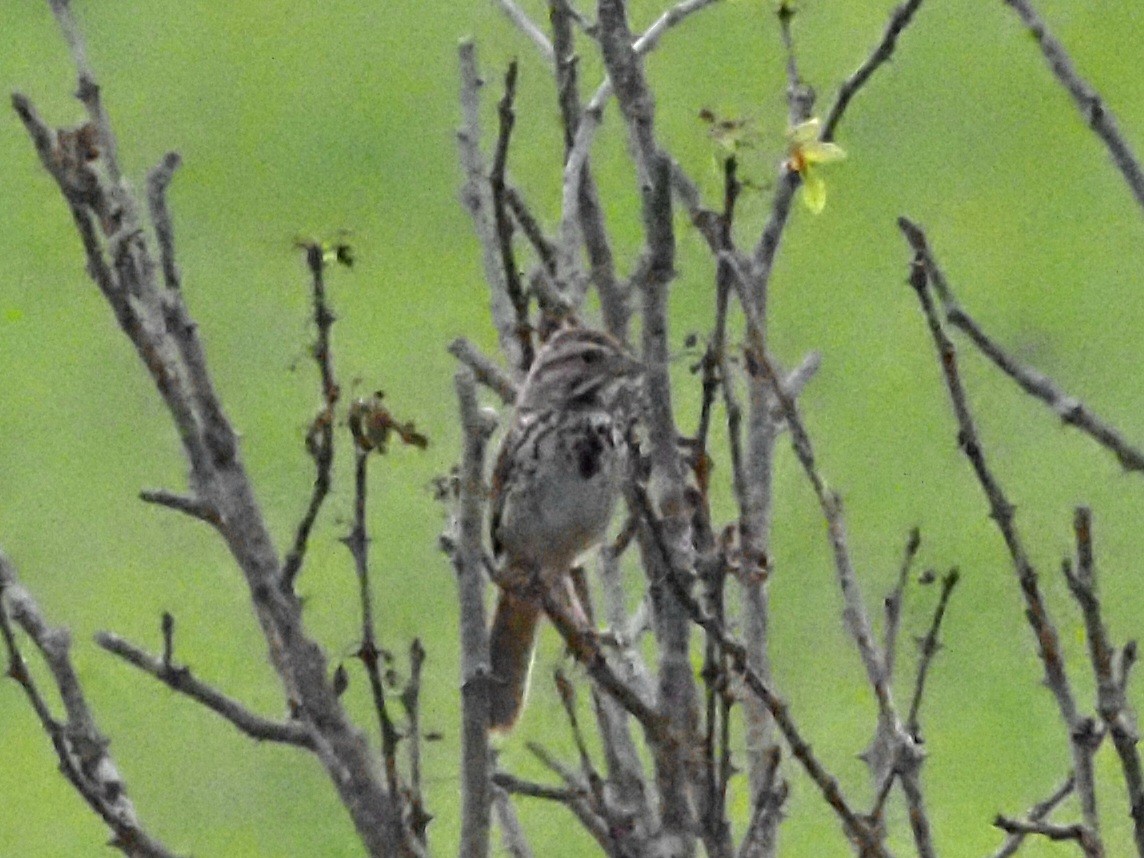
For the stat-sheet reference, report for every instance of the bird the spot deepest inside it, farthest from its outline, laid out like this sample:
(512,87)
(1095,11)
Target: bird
(555,483)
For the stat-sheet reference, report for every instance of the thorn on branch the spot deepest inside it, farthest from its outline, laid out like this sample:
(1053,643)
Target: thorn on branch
(167,626)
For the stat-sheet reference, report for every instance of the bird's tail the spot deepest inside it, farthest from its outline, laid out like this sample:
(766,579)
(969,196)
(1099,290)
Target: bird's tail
(512,642)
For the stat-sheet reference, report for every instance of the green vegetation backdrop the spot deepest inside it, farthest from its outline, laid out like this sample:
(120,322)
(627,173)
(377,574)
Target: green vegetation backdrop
(299,117)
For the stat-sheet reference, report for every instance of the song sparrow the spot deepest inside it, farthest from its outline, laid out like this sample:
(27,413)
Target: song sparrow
(554,485)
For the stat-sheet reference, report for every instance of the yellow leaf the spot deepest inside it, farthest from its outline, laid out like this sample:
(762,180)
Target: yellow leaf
(805,132)
(813,191)
(818,152)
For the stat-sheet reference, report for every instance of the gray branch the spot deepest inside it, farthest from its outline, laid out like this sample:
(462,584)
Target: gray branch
(476,195)
(121,261)
(528,27)
(1081,730)
(1068,408)
(1088,101)
(80,746)
(476,795)
(179,678)
(1110,697)
(487,371)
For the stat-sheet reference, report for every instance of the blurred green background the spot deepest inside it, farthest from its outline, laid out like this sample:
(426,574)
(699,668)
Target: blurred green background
(298,117)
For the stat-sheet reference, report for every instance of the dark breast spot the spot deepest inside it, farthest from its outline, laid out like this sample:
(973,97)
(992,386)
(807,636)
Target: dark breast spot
(589,451)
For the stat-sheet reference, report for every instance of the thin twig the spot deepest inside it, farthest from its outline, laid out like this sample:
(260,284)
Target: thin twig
(512,833)
(503,221)
(800,97)
(80,747)
(1037,813)
(625,768)
(1002,512)
(573,797)
(853,823)
(929,646)
(192,506)
(357,541)
(1057,833)
(585,648)
(1071,411)
(180,678)
(1110,699)
(592,114)
(411,702)
(530,226)
(527,26)
(854,610)
(486,370)
(586,217)
(157,182)
(1088,101)
(518,786)
(320,437)
(893,603)
(766,813)
(581,804)
(596,784)
(476,196)
(899,20)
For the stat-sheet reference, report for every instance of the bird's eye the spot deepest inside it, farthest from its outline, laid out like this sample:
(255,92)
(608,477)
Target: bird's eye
(590,357)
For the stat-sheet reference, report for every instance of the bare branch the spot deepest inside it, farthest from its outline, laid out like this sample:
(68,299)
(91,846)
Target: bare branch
(893,604)
(157,182)
(88,90)
(854,610)
(641,46)
(1088,101)
(526,25)
(899,20)
(81,748)
(585,215)
(1110,699)
(485,369)
(476,195)
(517,786)
(468,559)
(585,648)
(800,97)
(574,797)
(122,263)
(530,226)
(502,220)
(320,437)
(919,819)
(1058,833)
(853,823)
(357,541)
(759,839)
(1002,512)
(1037,813)
(929,647)
(194,507)
(411,702)
(1071,411)
(512,834)
(181,679)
